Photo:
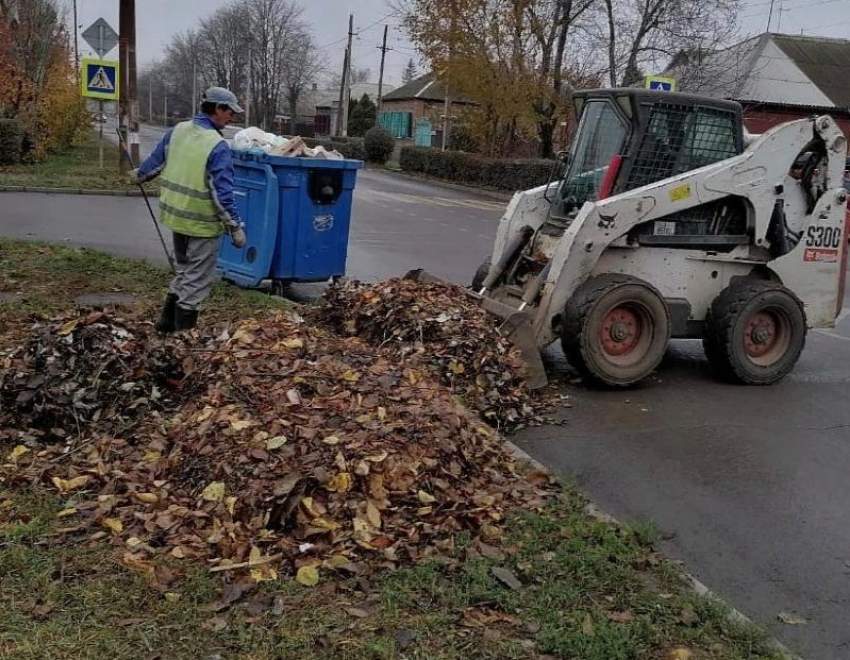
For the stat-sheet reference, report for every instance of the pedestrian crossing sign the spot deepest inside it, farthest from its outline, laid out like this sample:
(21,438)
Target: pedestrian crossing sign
(660,83)
(99,79)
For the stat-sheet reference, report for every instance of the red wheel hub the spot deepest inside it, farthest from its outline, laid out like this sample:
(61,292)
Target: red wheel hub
(620,332)
(761,334)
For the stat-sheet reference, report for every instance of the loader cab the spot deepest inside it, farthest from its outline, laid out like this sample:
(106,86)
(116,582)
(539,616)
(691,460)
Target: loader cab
(629,138)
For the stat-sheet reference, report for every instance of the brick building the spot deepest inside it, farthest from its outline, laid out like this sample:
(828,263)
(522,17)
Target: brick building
(775,77)
(415,111)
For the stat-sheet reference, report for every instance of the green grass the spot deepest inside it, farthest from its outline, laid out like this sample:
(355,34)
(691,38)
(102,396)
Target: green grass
(40,278)
(77,168)
(75,599)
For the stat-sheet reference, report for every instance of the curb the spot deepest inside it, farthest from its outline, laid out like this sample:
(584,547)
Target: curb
(697,587)
(484,192)
(76,191)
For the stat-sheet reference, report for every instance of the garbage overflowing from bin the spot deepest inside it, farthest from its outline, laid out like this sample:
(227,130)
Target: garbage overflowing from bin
(257,141)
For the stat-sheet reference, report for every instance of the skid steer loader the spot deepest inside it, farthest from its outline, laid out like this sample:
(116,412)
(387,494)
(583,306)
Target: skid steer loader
(668,220)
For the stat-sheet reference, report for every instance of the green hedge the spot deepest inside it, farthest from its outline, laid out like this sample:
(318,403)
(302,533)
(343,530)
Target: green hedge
(502,173)
(11,141)
(350,147)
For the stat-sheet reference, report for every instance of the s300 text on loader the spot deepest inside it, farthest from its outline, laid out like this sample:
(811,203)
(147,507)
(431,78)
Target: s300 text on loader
(671,221)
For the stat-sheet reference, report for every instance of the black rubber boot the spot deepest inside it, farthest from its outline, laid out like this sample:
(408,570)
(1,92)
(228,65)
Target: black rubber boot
(185,319)
(165,324)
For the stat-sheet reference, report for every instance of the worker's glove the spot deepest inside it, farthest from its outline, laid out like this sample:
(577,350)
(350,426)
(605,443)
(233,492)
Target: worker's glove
(237,237)
(133,176)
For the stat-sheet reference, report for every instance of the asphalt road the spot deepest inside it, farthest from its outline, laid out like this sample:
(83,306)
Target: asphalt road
(748,485)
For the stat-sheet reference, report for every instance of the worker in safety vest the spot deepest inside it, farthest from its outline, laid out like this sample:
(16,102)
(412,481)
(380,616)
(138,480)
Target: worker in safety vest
(196,203)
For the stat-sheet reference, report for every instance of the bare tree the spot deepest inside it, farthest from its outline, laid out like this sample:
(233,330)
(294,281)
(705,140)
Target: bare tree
(642,35)
(300,70)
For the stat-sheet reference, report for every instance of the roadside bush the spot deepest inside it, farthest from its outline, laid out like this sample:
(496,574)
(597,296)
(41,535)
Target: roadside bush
(509,174)
(11,141)
(379,145)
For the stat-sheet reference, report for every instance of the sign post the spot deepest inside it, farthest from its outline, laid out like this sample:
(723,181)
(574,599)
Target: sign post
(99,77)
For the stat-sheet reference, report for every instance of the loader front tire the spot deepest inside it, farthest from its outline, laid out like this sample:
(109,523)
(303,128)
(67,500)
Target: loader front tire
(616,329)
(481,274)
(755,331)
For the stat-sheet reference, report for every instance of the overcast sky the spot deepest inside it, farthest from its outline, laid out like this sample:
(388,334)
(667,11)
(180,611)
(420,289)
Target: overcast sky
(158,20)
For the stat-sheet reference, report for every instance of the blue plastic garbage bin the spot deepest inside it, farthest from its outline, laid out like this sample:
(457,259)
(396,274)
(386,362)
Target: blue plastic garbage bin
(297,212)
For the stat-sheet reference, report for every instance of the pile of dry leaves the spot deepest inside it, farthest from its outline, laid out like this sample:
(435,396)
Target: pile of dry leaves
(285,447)
(91,369)
(438,325)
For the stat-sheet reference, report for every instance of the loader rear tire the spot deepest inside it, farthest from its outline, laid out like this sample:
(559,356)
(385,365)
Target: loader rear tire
(755,332)
(616,329)
(481,274)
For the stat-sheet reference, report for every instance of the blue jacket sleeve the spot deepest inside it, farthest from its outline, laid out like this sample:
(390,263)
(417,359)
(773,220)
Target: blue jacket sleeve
(155,163)
(220,172)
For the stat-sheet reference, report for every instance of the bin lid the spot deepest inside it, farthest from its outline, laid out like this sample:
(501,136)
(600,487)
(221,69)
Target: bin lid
(298,162)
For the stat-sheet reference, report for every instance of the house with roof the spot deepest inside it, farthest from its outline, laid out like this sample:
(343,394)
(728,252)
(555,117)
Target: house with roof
(326,104)
(416,110)
(776,78)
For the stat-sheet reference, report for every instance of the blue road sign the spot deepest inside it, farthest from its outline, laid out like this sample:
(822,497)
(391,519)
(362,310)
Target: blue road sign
(99,79)
(661,83)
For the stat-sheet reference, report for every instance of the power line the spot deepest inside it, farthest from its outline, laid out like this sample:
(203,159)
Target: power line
(361,30)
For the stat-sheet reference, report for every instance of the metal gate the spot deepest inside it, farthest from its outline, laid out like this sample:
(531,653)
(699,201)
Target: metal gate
(423,133)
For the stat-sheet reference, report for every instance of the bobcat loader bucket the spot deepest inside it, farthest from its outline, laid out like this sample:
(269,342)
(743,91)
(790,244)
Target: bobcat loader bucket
(516,326)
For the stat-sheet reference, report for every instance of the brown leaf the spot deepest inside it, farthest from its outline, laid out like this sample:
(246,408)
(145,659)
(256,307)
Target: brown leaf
(621,617)
(215,624)
(230,594)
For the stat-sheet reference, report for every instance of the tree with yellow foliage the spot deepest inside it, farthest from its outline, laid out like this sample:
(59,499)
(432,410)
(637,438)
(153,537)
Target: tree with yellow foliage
(508,55)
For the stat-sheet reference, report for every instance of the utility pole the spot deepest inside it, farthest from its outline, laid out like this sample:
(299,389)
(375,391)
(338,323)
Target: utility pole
(769,15)
(76,41)
(165,109)
(346,81)
(250,89)
(448,102)
(128,104)
(150,98)
(383,48)
(194,85)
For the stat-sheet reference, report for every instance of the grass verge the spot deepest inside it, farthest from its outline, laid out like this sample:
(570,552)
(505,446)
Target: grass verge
(558,584)
(585,590)
(76,168)
(45,279)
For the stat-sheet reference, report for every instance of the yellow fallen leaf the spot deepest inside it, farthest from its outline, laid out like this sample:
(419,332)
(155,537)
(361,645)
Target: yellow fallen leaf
(214,492)
(147,498)
(68,328)
(331,440)
(263,572)
(373,515)
(134,542)
(67,485)
(276,442)
(294,343)
(412,377)
(425,498)
(172,597)
(338,560)
(177,552)
(377,458)
(17,452)
(364,419)
(351,377)
(424,511)
(64,513)
(230,503)
(151,455)
(382,413)
(308,576)
(324,523)
(241,424)
(113,524)
(456,367)
(680,653)
(587,627)
(205,414)
(341,483)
